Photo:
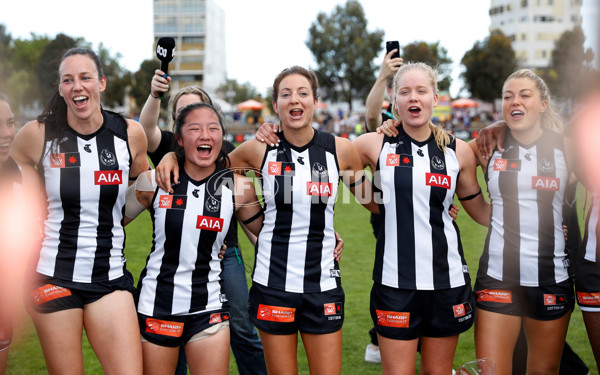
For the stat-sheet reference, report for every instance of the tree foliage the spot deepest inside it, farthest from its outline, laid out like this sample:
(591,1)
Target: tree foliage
(344,51)
(571,64)
(140,85)
(235,92)
(487,65)
(434,55)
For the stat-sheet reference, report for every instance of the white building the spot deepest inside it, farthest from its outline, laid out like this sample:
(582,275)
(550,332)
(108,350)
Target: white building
(534,25)
(198,27)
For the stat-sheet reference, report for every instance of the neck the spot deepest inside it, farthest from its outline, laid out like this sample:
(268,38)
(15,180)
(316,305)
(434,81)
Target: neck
(418,133)
(298,137)
(196,172)
(527,137)
(86,126)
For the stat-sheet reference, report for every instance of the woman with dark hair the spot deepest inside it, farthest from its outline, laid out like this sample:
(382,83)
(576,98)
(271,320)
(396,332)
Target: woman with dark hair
(181,299)
(81,158)
(296,278)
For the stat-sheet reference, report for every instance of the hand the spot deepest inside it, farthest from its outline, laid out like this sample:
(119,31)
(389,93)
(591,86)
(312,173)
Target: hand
(159,83)
(565,232)
(339,247)
(453,211)
(390,66)
(389,128)
(167,165)
(490,136)
(222,251)
(266,134)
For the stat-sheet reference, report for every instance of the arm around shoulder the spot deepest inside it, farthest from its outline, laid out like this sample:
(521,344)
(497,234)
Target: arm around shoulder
(138,146)
(247,207)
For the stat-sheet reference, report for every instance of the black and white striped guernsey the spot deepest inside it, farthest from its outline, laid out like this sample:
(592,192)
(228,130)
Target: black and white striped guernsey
(419,248)
(295,246)
(86,179)
(591,238)
(525,242)
(183,271)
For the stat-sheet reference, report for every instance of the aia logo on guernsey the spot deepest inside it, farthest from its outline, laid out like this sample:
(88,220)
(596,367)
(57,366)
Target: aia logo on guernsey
(108,177)
(276,313)
(214,224)
(164,327)
(438,180)
(65,160)
(494,295)
(399,160)
(319,188)
(590,299)
(393,318)
(545,183)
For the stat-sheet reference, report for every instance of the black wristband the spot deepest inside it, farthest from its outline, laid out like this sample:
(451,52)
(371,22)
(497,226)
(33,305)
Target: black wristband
(357,182)
(248,221)
(155,97)
(468,198)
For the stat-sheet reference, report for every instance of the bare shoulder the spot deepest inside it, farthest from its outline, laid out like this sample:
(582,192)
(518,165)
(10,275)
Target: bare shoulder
(29,143)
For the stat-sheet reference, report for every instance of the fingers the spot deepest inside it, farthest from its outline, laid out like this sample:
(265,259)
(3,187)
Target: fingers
(339,247)
(267,134)
(389,128)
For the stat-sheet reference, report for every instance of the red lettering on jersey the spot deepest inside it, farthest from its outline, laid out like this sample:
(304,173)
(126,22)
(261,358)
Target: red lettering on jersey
(164,327)
(459,310)
(57,160)
(319,188)
(214,224)
(500,164)
(48,293)
(165,201)
(215,318)
(545,183)
(590,299)
(549,299)
(274,168)
(393,318)
(393,160)
(495,295)
(438,180)
(276,313)
(108,177)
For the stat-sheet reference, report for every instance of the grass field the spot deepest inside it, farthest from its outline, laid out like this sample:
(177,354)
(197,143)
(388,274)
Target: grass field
(352,222)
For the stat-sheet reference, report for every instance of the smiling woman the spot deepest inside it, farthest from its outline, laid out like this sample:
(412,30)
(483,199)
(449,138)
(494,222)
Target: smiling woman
(80,157)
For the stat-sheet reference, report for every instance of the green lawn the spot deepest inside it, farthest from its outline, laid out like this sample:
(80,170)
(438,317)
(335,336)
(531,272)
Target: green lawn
(352,222)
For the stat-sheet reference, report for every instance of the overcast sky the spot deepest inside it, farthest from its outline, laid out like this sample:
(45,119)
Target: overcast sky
(262,36)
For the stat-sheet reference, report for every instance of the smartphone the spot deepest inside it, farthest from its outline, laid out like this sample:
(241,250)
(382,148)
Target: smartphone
(390,45)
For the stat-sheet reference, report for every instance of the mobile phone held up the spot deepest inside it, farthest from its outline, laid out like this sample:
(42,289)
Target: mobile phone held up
(390,45)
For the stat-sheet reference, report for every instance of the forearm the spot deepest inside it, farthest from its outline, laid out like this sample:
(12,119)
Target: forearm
(149,120)
(374,103)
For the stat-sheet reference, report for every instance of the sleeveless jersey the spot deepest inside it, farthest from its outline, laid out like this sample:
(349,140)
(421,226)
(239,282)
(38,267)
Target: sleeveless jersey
(419,247)
(591,247)
(525,242)
(86,179)
(183,271)
(294,252)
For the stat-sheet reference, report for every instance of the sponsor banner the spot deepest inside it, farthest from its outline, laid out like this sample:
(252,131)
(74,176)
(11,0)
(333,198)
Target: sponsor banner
(438,180)
(48,293)
(321,189)
(545,183)
(172,201)
(108,177)
(334,308)
(65,160)
(276,313)
(214,224)
(393,318)
(164,327)
(399,160)
(589,299)
(511,165)
(494,295)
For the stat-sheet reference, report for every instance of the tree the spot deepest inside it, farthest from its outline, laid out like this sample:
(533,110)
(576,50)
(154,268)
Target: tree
(25,57)
(140,85)
(234,92)
(344,51)
(434,55)
(6,66)
(571,64)
(47,69)
(487,65)
(117,78)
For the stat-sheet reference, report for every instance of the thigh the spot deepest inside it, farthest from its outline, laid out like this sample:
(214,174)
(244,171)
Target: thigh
(280,352)
(592,325)
(324,352)
(495,337)
(112,329)
(158,359)
(209,355)
(60,335)
(437,354)
(545,343)
(398,356)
